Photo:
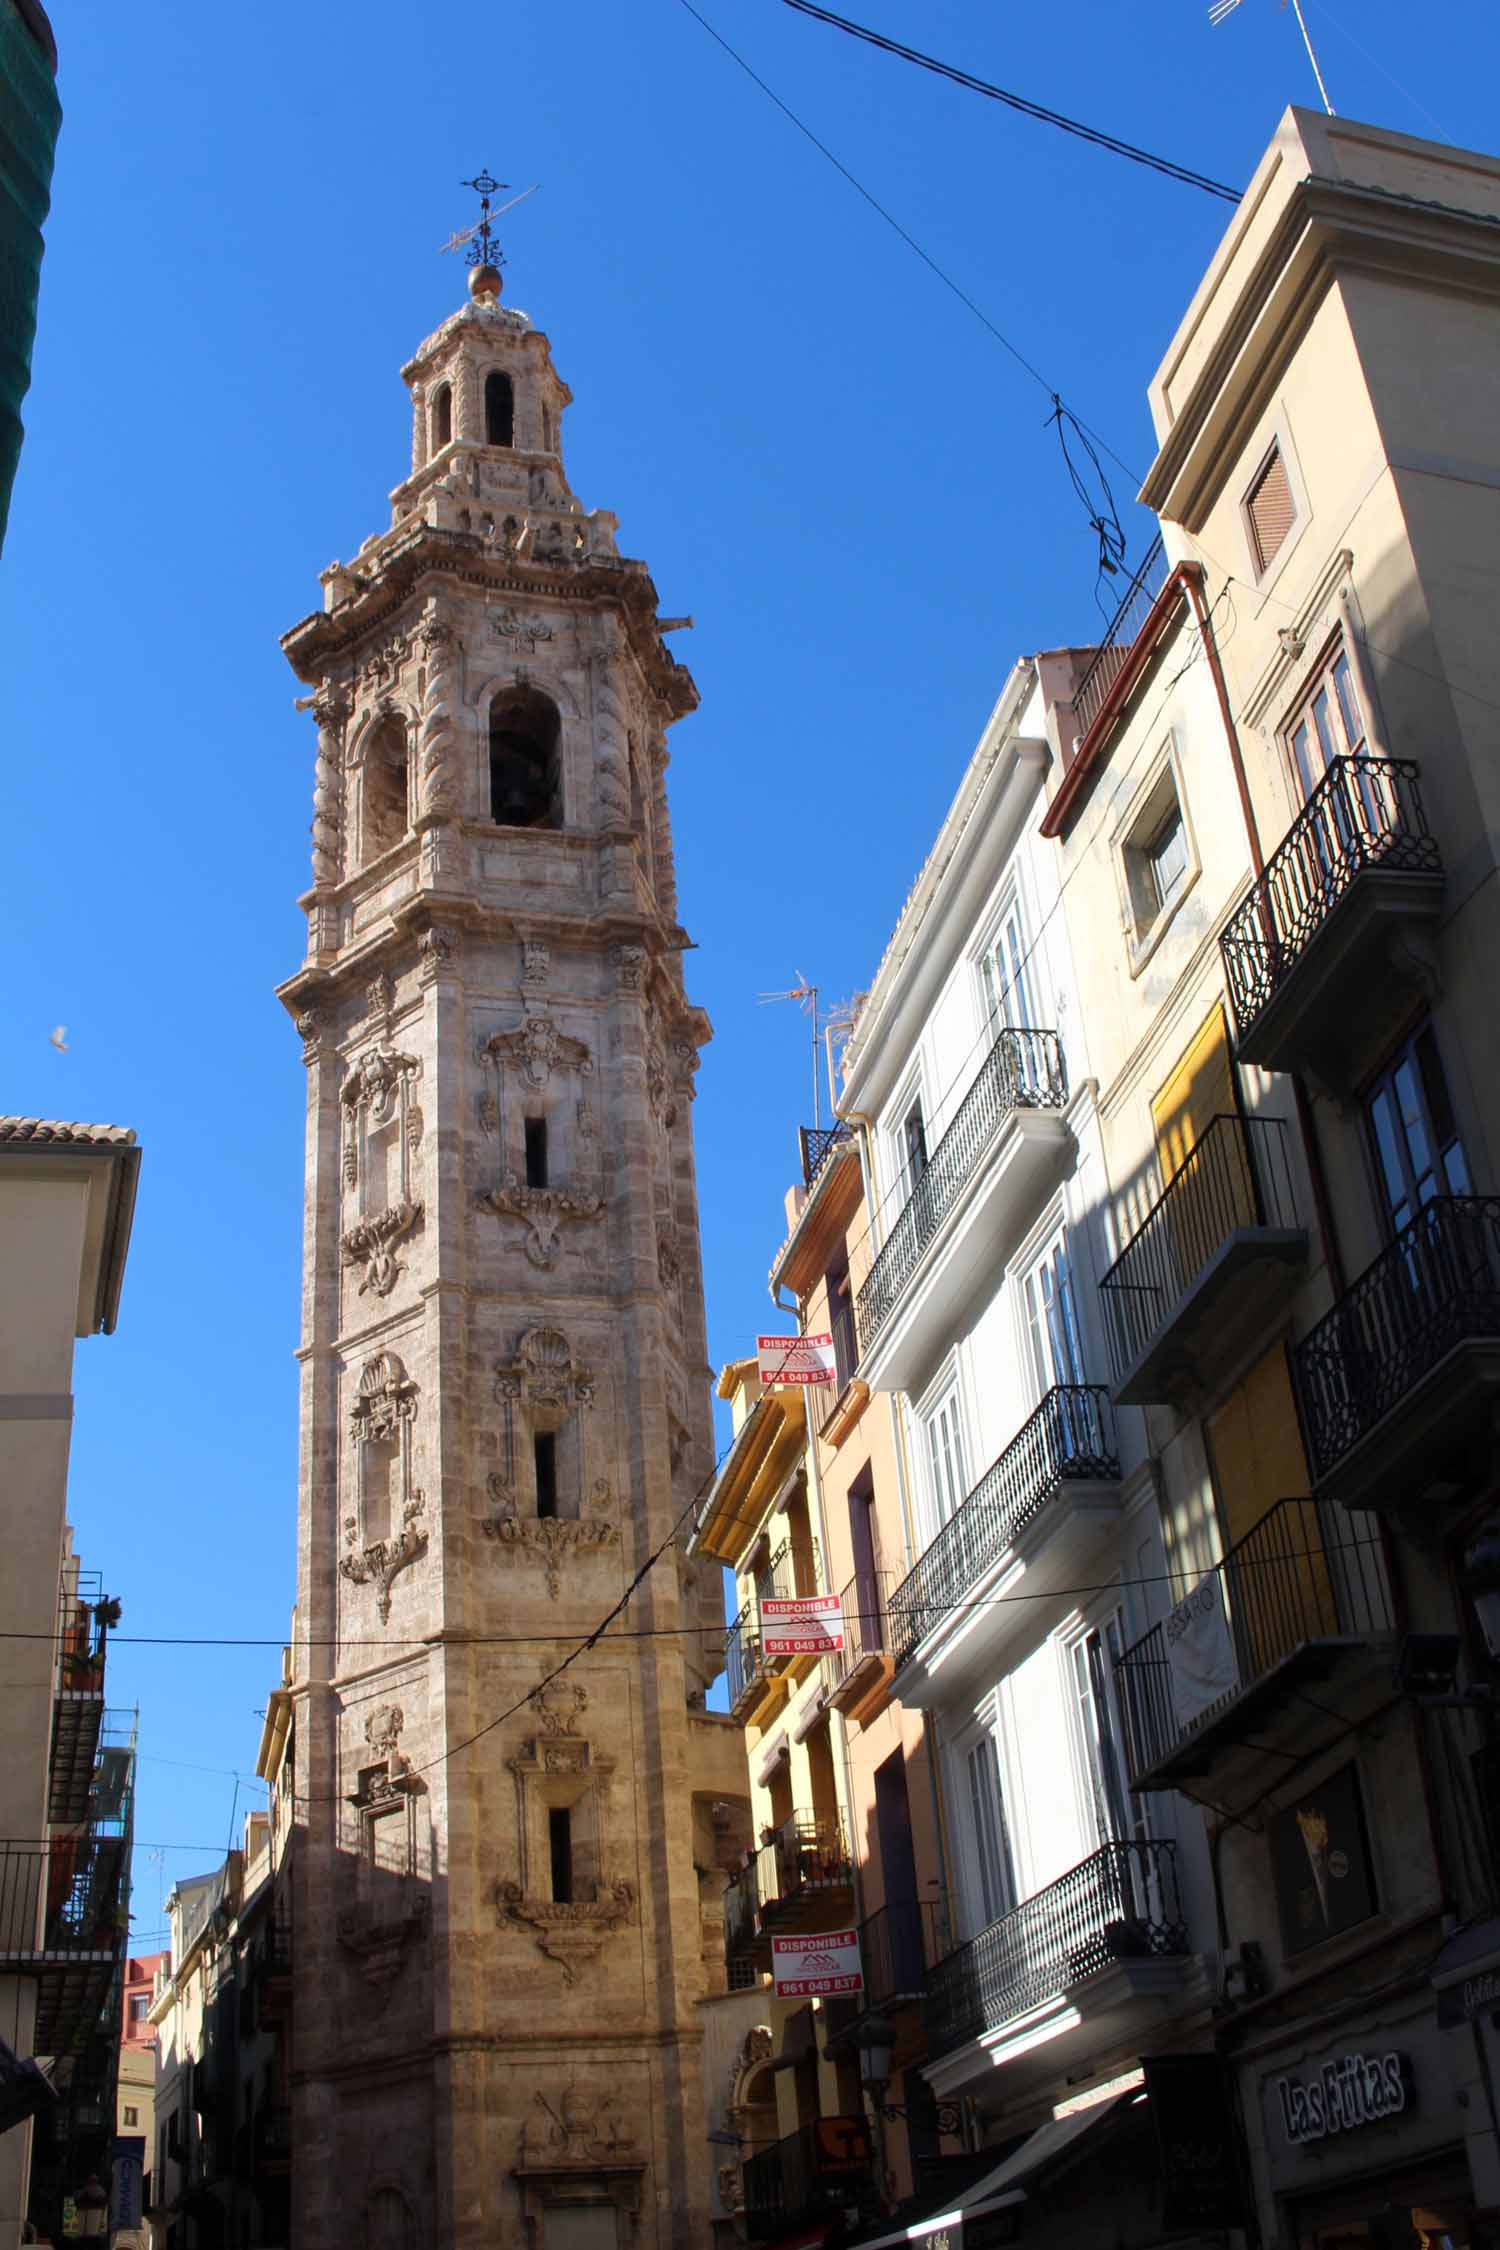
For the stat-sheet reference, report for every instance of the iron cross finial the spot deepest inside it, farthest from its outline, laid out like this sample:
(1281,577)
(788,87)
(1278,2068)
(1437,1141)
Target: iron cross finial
(483,248)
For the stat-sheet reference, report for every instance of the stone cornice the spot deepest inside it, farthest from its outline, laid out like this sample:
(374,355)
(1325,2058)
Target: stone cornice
(316,642)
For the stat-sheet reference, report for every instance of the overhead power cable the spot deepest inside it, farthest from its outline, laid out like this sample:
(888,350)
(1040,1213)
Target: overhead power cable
(1111,142)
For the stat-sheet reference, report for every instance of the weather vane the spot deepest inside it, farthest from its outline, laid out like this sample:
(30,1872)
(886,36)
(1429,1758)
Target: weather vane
(483,249)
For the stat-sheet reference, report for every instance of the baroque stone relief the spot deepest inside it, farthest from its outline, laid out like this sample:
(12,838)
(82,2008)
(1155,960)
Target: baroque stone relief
(536,1048)
(573,2128)
(382,1134)
(381,1421)
(559,1768)
(552,1541)
(544,1211)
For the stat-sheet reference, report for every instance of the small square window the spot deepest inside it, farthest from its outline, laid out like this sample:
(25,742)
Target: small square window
(1270,509)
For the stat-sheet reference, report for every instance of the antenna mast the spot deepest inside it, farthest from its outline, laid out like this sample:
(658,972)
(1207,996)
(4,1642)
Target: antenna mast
(806,996)
(1219,9)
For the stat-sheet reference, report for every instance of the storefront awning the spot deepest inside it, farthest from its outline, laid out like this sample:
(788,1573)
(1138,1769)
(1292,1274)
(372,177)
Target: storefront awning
(1008,2184)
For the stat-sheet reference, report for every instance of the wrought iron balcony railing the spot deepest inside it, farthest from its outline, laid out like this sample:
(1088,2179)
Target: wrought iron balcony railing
(61,1900)
(1237,1177)
(899,1945)
(1281,1587)
(829,1396)
(864,1612)
(1365,813)
(1023,1070)
(1435,1287)
(792,1570)
(1120,637)
(814,2173)
(804,1860)
(1069,1437)
(1119,1904)
(817,1144)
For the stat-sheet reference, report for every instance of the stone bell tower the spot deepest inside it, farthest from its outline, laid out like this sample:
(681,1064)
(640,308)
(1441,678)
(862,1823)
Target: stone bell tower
(498,1933)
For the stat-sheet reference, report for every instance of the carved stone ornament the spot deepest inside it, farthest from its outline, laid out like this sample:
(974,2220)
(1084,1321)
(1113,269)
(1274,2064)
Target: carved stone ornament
(552,1540)
(560,1705)
(382,1560)
(380,998)
(658,1093)
(395,1778)
(383,664)
(519,632)
(309,1031)
(372,1243)
(375,1082)
(330,709)
(544,1374)
(668,1262)
(386,1398)
(536,961)
(437,771)
(544,1210)
(573,2128)
(537,1047)
(629,966)
(572,1934)
(379,1937)
(435,949)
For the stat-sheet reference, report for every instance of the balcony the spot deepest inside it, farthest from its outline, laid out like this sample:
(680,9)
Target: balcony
(1298,1614)
(802,1878)
(1114,651)
(62,1923)
(1398,1382)
(752,1673)
(1005,1138)
(812,2178)
(1038,1512)
(1216,1258)
(860,1672)
(816,1144)
(1067,1970)
(77,1697)
(1312,975)
(899,1947)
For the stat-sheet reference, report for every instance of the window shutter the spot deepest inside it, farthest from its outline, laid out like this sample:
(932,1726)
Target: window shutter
(1271,509)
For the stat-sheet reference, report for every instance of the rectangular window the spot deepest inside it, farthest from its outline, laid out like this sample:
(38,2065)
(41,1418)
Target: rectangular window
(536,1152)
(139,2003)
(545,1446)
(132,2115)
(1418,1153)
(1005,977)
(946,1461)
(1328,722)
(1270,510)
(1116,1814)
(1158,856)
(997,1888)
(913,1145)
(1052,1320)
(560,1848)
(841,1319)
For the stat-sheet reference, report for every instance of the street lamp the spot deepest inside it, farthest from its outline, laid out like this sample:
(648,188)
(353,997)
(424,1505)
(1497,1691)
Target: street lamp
(92,2203)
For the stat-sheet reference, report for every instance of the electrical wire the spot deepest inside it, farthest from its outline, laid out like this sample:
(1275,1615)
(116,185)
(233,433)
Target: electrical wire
(1183,174)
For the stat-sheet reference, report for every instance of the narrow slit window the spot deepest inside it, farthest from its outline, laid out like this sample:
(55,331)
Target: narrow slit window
(536,1152)
(546,1473)
(560,1845)
(499,409)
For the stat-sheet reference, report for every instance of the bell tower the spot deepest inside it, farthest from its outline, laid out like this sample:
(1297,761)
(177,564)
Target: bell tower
(499,1930)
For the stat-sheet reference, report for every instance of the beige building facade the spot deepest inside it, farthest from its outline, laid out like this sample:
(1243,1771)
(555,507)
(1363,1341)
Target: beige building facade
(67,1196)
(505,1898)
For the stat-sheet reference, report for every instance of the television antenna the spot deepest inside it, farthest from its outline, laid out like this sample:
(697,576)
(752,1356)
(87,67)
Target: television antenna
(1219,9)
(806,997)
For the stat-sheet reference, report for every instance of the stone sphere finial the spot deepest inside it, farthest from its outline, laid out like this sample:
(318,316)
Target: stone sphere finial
(484,284)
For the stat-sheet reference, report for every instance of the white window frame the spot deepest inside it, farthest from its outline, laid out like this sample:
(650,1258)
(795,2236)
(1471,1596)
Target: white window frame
(944,1396)
(982,1739)
(1014,908)
(1057,1236)
(1144,927)
(913,1091)
(1110,1611)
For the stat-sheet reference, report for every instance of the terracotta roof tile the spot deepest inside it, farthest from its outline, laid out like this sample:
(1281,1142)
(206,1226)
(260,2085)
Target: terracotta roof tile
(51,1129)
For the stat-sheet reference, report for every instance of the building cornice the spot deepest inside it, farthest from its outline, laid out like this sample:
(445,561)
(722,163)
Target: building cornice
(796,1263)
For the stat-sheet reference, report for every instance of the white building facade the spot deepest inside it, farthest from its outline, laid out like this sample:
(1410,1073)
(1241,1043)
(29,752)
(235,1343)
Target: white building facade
(1032,1527)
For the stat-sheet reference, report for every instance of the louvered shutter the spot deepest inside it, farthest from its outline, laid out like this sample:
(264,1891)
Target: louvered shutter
(1271,509)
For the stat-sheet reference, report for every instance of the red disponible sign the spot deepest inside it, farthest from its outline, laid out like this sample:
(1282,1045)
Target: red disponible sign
(801,1625)
(825,1961)
(795,1359)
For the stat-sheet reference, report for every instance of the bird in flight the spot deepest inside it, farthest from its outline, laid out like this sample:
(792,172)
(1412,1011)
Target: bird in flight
(59,1038)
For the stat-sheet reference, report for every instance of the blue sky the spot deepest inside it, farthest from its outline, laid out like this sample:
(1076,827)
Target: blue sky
(820,453)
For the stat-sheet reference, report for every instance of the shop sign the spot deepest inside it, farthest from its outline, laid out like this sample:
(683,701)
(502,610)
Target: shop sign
(1348,2092)
(126,2174)
(1473,1996)
(801,1625)
(825,1961)
(1192,2110)
(795,1359)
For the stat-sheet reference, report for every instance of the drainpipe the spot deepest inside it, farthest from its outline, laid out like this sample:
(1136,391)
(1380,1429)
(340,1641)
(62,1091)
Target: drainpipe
(1194,575)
